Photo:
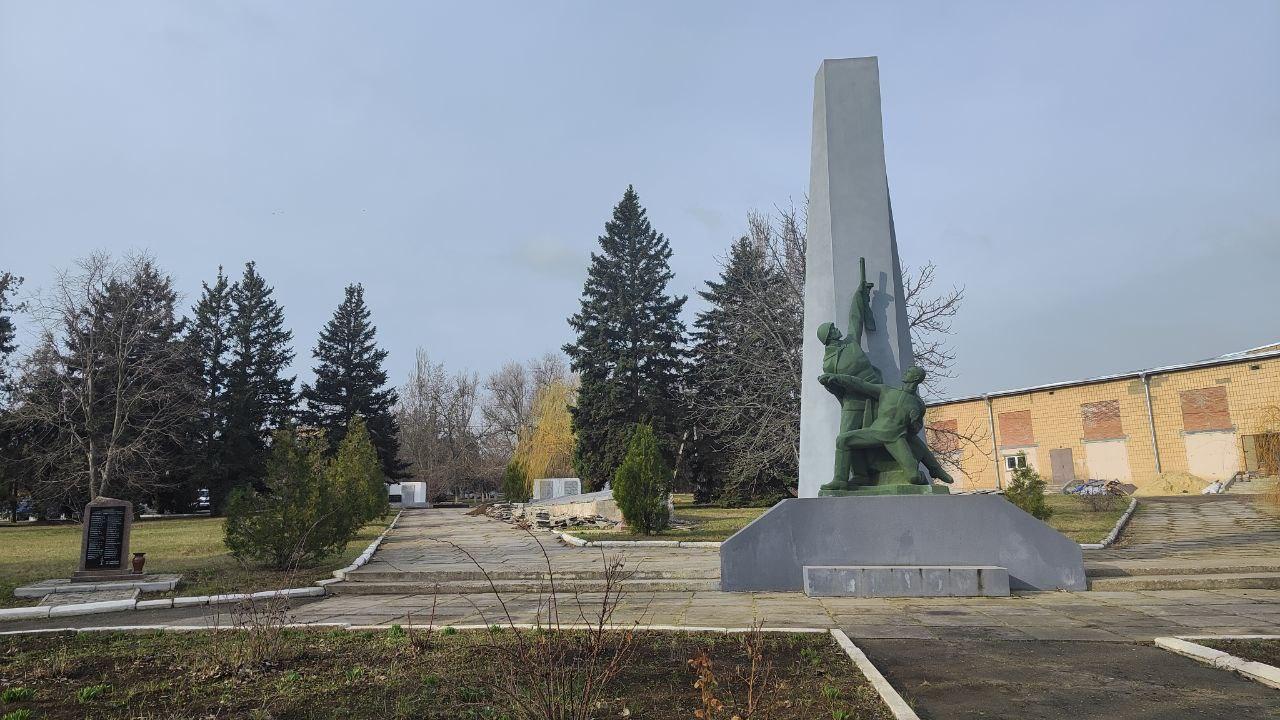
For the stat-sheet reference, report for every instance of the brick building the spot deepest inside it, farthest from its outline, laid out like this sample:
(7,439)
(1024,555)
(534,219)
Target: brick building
(1210,418)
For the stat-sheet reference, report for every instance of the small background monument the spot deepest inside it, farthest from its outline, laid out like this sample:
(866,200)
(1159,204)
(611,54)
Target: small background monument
(105,570)
(104,541)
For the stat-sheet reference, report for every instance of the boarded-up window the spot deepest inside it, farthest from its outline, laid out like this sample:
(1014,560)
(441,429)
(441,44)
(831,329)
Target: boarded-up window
(1015,428)
(1101,420)
(944,439)
(941,436)
(1205,409)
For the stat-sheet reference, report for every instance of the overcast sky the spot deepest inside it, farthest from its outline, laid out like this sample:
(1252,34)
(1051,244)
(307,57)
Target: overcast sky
(1102,177)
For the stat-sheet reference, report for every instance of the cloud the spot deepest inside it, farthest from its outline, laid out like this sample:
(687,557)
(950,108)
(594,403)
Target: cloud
(553,258)
(710,219)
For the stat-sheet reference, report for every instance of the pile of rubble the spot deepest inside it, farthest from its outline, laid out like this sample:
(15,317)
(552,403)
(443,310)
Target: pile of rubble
(540,517)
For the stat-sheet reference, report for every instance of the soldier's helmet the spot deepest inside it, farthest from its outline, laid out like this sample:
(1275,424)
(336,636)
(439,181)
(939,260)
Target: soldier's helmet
(828,332)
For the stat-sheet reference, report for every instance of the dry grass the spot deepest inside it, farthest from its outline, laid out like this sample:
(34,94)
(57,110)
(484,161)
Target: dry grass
(190,546)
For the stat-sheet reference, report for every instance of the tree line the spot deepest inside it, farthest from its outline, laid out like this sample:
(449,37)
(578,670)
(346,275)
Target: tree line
(125,395)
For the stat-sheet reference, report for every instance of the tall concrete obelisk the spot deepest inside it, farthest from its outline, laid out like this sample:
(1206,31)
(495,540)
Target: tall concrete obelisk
(849,217)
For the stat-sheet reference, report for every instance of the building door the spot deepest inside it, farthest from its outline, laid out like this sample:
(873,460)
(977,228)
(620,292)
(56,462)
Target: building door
(1062,466)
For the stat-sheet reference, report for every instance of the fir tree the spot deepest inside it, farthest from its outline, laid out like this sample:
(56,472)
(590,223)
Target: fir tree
(350,382)
(628,347)
(259,396)
(10,436)
(210,333)
(9,284)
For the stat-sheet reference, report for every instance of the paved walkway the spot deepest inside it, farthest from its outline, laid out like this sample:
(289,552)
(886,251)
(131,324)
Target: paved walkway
(1201,533)
(430,544)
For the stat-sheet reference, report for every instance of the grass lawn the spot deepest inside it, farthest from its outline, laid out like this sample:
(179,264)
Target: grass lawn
(1263,651)
(390,674)
(1071,517)
(707,523)
(192,547)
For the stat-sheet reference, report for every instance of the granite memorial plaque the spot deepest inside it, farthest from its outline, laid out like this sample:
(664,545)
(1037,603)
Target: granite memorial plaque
(104,543)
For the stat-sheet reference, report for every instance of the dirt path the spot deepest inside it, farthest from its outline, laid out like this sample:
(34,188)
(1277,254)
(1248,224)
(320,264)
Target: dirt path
(1055,680)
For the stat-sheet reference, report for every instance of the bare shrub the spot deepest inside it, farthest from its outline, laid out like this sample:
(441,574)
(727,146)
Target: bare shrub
(751,691)
(557,670)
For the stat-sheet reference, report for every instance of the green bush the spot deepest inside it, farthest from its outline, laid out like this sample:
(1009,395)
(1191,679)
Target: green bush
(309,509)
(515,483)
(642,483)
(294,521)
(1026,490)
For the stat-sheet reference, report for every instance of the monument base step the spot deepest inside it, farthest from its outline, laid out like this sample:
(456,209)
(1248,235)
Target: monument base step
(142,583)
(93,596)
(869,581)
(531,585)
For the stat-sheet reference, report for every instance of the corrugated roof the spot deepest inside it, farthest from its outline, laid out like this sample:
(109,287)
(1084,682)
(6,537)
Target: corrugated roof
(1261,352)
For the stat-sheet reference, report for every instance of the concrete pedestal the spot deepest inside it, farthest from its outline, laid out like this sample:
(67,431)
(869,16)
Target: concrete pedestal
(939,530)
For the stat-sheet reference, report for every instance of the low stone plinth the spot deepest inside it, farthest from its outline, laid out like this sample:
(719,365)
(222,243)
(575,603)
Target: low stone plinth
(906,581)
(141,583)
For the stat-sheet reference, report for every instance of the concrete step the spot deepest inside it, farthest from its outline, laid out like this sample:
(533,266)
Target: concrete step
(1106,571)
(1216,581)
(472,587)
(434,576)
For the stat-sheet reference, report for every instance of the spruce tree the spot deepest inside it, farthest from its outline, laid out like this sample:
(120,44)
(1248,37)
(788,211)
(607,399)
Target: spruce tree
(11,474)
(260,398)
(210,333)
(350,382)
(628,347)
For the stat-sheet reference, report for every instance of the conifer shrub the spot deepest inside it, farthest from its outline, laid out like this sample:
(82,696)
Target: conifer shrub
(642,483)
(1026,490)
(296,519)
(515,483)
(355,474)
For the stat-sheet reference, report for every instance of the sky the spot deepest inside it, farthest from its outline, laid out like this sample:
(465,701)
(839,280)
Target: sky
(1102,178)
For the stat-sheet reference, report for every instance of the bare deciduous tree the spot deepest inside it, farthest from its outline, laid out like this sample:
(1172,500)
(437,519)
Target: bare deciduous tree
(760,427)
(438,437)
(510,394)
(930,316)
(111,377)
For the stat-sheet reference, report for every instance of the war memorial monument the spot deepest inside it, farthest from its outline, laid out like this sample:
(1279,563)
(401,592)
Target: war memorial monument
(868,521)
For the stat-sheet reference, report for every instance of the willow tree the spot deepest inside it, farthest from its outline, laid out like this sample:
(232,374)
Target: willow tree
(547,443)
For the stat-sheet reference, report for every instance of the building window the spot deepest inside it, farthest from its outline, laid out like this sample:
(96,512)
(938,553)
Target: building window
(1013,462)
(1205,409)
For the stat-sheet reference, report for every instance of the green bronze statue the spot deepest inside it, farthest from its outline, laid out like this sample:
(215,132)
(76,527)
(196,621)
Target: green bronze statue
(897,425)
(845,357)
(879,448)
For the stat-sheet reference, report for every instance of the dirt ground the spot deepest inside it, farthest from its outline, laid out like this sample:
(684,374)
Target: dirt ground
(1053,680)
(403,673)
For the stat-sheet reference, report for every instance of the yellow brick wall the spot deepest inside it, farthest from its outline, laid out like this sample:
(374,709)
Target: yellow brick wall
(1253,397)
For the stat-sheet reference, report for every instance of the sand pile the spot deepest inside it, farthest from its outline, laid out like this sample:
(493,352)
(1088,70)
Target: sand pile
(1173,483)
